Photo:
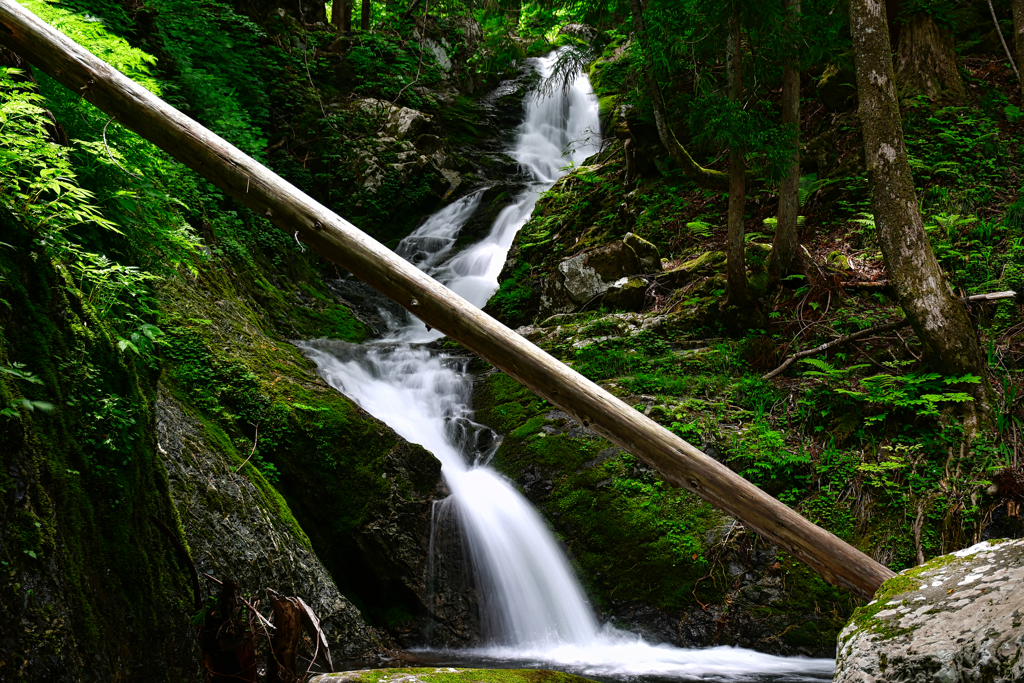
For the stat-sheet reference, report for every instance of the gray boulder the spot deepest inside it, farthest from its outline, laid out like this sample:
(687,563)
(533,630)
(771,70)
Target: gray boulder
(244,532)
(592,273)
(400,123)
(646,253)
(956,618)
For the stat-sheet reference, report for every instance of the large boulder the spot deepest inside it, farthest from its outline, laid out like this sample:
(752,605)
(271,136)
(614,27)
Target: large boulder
(959,617)
(590,274)
(401,123)
(238,528)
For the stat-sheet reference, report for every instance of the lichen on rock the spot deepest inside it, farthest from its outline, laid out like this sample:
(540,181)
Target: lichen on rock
(955,618)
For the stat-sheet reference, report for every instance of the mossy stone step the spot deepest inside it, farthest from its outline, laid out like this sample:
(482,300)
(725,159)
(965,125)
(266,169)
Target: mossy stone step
(450,675)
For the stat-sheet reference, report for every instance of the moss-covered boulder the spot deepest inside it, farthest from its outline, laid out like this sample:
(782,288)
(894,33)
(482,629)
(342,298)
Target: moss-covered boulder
(450,675)
(654,559)
(955,618)
(360,493)
(239,528)
(90,589)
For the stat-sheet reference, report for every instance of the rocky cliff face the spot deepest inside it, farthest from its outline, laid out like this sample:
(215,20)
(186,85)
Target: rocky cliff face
(240,531)
(955,618)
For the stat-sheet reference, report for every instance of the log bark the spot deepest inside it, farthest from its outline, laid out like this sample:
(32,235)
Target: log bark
(736,261)
(785,245)
(338,240)
(926,61)
(284,646)
(939,319)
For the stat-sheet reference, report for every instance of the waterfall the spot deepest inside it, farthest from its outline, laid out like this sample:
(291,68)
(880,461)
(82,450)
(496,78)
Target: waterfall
(532,606)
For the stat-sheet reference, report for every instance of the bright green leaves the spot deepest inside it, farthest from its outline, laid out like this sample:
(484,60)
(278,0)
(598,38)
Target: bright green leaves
(91,33)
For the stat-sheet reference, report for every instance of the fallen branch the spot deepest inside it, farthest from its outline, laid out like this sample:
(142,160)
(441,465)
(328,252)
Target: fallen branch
(993,296)
(995,20)
(887,327)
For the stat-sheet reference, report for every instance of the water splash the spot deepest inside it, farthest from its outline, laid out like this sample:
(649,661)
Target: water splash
(533,609)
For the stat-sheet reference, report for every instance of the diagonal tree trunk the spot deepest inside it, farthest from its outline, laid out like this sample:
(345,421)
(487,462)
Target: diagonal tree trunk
(287,207)
(786,245)
(1018,36)
(736,264)
(938,318)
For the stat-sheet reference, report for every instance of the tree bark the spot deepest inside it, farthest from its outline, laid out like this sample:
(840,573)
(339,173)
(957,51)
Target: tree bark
(290,209)
(736,263)
(1018,36)
(786,244)
(704,177)
(366,10)
(926,62)
(341,15)
(940,321)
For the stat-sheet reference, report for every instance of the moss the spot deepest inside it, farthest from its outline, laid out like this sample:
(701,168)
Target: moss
(315,456)
(451,675)
(632,536)
(515,302)
(86,476)
(864,617)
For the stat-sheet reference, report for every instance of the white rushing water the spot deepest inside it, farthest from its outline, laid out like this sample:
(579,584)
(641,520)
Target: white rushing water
(533,610)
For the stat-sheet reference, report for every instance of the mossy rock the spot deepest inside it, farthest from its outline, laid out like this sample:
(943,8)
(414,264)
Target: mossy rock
(450,675)
(706,264)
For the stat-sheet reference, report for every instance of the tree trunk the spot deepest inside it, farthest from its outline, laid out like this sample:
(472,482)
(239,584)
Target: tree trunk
(736,264)
(367,6)
(1018,36)
(341,15)
(287,207)
(939,319)
(786,245)
(926,62)
(704,177)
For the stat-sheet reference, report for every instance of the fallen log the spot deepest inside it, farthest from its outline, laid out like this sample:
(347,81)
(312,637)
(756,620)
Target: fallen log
(335,238)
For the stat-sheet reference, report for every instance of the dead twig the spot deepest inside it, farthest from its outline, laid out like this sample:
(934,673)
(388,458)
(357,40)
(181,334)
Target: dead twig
(111,155)
(1003,41)
(255,440)
(836,342)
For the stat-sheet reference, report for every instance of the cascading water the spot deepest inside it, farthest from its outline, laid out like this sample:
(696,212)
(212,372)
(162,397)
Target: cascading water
(533,609)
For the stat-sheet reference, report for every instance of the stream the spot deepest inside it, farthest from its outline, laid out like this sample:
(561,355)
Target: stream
(533,611)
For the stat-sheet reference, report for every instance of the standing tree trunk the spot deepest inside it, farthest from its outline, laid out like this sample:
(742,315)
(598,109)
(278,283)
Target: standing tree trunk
(938,318)
(786,246)
(736,265)
(341,15)
(1018,36)
(926,62)
(367,6)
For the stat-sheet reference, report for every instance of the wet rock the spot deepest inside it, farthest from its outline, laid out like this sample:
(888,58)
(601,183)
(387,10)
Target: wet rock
(581,31)
(590,274)
(236,530)
(449,675)
(401,123)
(646,253)
(956,618)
